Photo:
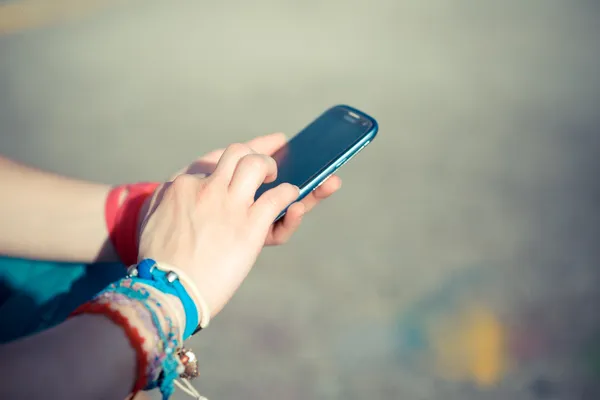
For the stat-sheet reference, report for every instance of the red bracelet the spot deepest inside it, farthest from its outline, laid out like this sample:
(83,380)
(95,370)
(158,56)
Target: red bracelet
(122,218)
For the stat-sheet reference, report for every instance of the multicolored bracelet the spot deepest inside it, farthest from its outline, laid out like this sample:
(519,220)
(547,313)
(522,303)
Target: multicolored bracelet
(143,312)
(151,313)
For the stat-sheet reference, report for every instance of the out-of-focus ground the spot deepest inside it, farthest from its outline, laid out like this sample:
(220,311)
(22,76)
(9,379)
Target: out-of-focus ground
(460,260)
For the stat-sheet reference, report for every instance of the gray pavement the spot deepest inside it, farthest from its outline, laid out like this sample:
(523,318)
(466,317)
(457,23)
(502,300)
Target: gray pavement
(460,260)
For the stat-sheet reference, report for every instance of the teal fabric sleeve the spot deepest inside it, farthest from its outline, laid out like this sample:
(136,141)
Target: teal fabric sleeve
(36,295)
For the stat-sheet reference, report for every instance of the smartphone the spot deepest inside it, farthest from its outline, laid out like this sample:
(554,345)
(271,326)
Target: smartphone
(321,148)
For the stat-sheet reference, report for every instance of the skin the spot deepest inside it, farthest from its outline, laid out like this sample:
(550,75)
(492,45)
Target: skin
(192,222)
(221,216)
(68,225)
(283,230)
(27,14)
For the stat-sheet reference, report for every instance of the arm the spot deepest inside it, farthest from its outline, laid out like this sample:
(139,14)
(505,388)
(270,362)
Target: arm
(192,223)
(47,216)
(86,357)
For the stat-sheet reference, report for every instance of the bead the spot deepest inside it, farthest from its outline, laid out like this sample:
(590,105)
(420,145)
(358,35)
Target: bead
(132,271)
(172,276)
(190,363)
(145,268)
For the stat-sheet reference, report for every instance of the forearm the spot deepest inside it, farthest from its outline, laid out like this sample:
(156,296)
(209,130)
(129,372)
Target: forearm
(47,216)
(87,357)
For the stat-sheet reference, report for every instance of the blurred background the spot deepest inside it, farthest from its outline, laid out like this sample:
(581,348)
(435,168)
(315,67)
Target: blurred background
(460,260)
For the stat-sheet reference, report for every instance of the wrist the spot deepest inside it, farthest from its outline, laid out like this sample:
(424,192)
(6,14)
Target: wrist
(175,282)
(203,307)
(141,219)
(151,320)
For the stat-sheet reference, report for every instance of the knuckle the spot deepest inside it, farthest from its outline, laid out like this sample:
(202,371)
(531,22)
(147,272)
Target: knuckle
(272,201)
(271,161)
(182,182)
(238,148)
(254,162)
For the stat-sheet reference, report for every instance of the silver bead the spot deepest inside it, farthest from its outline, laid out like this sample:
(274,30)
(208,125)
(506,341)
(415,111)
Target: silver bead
(132,271)
(172,276)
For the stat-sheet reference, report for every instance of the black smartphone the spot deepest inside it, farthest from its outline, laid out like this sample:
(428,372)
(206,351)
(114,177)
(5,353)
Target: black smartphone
(326,144)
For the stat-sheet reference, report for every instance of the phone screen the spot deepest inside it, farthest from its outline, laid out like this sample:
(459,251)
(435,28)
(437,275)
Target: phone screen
(316,147)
